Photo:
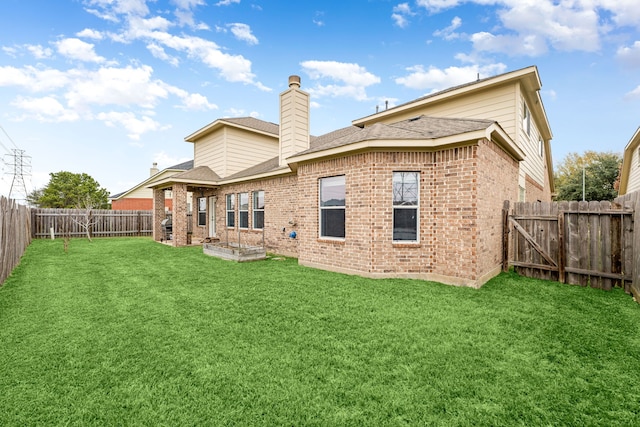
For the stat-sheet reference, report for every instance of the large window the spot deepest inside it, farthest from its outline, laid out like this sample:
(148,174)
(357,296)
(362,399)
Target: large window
(258,210)
(406,200)
(202,211)
(332,207)
(243,209)
(231,210)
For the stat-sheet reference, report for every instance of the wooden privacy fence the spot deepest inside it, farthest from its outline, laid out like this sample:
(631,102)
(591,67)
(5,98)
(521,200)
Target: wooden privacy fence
(101,223)
(15,235)
(580,243)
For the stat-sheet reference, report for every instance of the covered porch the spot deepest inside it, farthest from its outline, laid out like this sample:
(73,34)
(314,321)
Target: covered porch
(187,227)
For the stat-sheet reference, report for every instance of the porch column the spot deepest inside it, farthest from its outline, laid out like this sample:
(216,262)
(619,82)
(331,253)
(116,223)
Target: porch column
(179,219)
(158,214)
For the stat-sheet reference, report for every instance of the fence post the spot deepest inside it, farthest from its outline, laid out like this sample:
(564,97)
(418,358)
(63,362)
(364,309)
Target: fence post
(505,236)
(561,256)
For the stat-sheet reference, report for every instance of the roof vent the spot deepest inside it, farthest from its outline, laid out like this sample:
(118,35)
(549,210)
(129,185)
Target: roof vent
(294,81)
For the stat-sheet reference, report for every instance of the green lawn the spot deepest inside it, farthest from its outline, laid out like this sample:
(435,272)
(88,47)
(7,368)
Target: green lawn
(131,332)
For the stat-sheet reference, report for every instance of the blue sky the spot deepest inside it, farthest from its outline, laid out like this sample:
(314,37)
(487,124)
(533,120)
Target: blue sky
(107,87)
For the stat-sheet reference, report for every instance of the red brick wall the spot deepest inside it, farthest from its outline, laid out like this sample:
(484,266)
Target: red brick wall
(135,204)
(457,226)
(497,182)
(461,197)
(280,215)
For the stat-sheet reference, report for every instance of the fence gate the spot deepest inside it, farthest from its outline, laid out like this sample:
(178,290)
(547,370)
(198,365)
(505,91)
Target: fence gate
(579,243)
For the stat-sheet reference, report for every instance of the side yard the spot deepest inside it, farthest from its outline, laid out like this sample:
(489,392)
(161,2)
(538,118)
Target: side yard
(130,332)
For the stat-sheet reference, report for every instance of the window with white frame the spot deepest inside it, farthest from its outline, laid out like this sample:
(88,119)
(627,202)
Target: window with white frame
(406,202)
(202,211)
(243,210)
(332,207)
(540,147)
(231,210)
(526,118)
(258,210)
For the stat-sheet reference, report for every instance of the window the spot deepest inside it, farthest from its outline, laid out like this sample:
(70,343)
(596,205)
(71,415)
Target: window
(231,211)
(540,147)
(243,209)
(258,210)
(202,211)
(406,200)
(526,118)
(332,207)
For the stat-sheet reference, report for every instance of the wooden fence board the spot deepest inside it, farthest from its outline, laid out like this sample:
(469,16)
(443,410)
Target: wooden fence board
(102,223)
(581,243)
(15,235)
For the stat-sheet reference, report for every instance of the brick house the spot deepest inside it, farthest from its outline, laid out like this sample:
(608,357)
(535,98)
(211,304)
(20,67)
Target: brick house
(140,197)
(413,191)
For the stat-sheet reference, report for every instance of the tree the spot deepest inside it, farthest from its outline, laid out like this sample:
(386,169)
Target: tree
(70,190)
(600,171)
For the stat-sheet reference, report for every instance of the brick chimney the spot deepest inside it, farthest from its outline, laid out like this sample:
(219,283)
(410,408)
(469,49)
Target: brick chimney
(154,169)
(294,120)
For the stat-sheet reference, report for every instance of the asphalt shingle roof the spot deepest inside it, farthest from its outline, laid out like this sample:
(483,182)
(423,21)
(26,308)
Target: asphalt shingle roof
(421,127)
(257,124)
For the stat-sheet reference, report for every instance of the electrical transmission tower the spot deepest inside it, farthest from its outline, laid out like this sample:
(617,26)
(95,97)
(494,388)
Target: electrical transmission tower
(21,165)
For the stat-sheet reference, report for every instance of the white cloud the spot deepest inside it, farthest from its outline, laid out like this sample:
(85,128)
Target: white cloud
(449,33)
(437,5)
(165,160)
(88,33)
(243,32)
(352,79)
(634,94)
(550,94)
(435,79)
(532,27)
(45,109)
(233,68)
(115,86)
(33,79)
(400,14)
(39,52)
(73,48)
(134,125)
(227,2)
(184,13)
(318,19)
(630,55)
(529,45)
(624,12)
(112,8)
(158,52)
(86,91)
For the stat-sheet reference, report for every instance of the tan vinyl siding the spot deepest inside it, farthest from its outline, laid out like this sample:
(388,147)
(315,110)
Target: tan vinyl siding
(533,164)
(294,123)
(634,172)
(498,104)
(210,151)
(246,149)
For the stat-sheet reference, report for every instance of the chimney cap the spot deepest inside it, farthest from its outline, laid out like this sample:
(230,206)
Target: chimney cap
(294,81)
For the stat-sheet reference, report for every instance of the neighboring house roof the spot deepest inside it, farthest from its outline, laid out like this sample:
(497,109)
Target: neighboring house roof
(175,169)
(248,123)
(627,162)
